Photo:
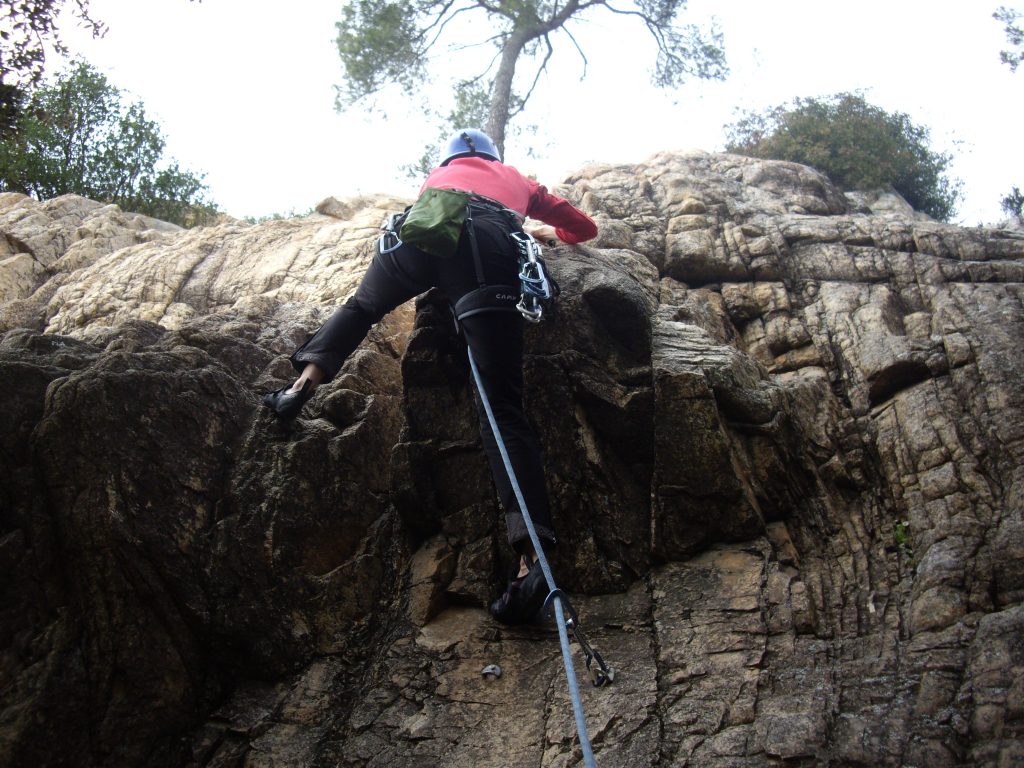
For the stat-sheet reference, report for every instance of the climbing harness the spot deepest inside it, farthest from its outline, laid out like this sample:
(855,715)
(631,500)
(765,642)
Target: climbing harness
(536,289)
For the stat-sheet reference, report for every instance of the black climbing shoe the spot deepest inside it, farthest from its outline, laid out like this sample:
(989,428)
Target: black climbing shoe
(286,405)
(523,599)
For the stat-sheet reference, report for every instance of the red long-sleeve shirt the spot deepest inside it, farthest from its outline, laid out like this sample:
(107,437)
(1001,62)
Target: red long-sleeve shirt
(509,187)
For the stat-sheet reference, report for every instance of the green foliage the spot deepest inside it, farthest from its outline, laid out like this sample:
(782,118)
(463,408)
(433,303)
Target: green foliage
(683,51)
(76,136)
(472,101)
(1013,204)
(901,535)
(11,99)
(1013,56)
(382,43)
(379,43)
(26,27)
(291,213)
(856,144)
(471,105)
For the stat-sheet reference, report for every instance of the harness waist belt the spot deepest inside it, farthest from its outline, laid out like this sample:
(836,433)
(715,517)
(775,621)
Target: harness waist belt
(487,204)
(491,298)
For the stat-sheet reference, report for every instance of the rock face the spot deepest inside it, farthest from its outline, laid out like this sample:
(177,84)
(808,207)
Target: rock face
(785,443)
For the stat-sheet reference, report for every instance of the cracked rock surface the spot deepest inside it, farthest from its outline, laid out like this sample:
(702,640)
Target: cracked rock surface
(784,436)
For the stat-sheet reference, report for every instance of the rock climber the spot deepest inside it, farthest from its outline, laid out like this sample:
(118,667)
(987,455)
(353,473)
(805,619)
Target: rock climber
(469,162)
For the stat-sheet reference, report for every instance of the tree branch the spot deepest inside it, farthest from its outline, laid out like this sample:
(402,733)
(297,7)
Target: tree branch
(437,20)
(491,39)
(579,50)
(487,68)
(536,78)
(653,27)
(443,24)
(497,10)
(558,18)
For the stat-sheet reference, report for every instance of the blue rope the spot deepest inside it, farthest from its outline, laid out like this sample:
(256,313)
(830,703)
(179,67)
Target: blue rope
(563,635)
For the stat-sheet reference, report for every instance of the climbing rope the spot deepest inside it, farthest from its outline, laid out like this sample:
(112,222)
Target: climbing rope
(555,595)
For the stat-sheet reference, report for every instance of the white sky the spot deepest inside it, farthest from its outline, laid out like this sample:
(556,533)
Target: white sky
(244,91)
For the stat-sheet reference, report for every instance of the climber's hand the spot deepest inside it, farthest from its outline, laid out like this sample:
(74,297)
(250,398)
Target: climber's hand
(542,233)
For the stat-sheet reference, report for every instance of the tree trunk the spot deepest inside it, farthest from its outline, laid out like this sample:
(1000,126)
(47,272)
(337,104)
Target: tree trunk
(501,91)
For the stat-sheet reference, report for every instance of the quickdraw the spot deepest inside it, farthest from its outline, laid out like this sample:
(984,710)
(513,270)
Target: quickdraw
(601,674)
(390,241)
(537,289)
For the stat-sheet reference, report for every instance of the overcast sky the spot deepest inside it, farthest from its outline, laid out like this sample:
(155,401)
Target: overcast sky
(244,91)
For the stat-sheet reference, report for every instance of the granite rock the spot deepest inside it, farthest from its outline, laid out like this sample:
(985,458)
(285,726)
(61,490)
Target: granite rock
(784,436)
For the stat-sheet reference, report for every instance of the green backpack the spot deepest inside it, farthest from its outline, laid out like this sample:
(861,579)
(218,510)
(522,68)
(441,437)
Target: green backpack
(434,222)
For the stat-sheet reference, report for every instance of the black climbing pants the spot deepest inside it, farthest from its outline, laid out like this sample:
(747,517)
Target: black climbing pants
(495,338)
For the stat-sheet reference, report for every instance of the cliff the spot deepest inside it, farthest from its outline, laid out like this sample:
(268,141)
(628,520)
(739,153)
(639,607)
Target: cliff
(785,441)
